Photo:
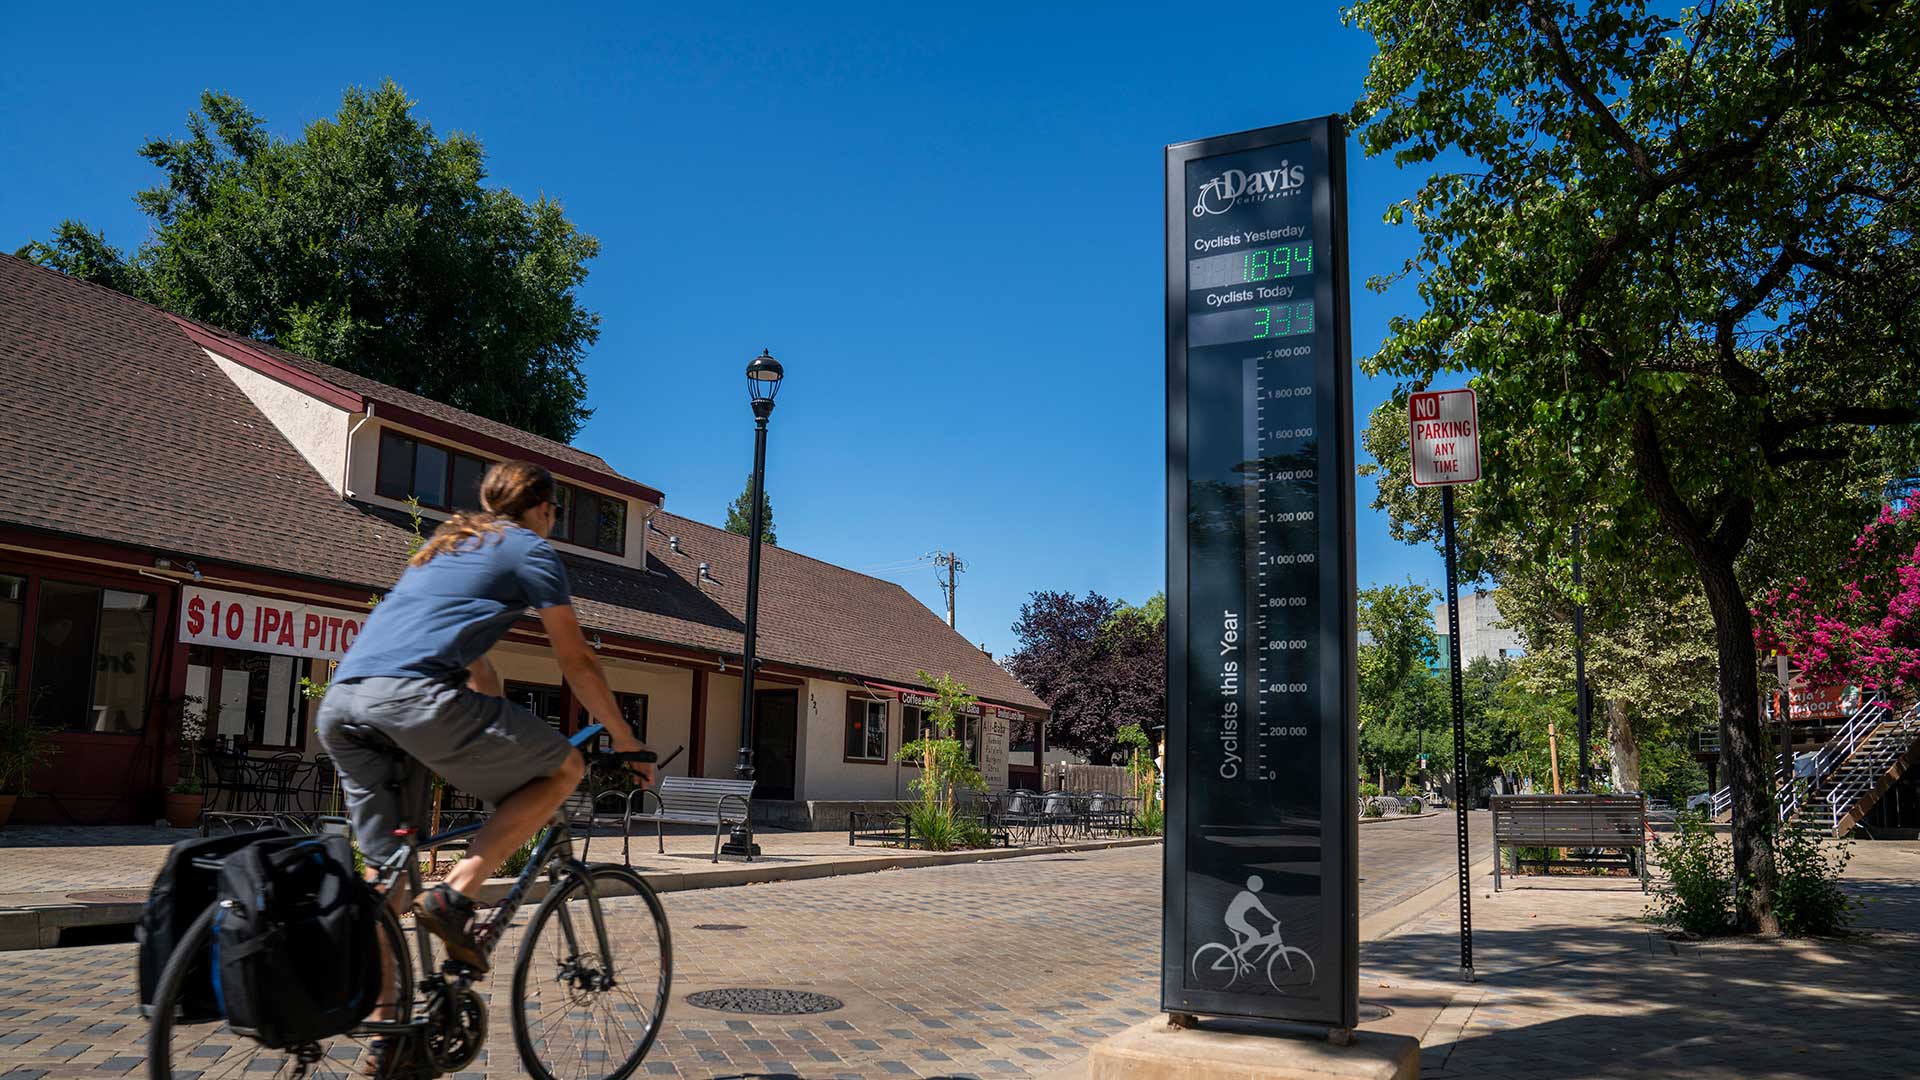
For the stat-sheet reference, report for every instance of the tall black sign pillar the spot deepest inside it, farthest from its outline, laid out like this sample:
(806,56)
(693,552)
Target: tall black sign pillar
(1262,798)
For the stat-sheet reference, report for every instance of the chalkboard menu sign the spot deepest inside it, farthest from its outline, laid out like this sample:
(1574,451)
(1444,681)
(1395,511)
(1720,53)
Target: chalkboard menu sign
(1261,728)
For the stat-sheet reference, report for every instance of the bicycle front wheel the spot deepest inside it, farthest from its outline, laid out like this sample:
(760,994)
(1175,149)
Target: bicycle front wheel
(591,982)
(186,1042)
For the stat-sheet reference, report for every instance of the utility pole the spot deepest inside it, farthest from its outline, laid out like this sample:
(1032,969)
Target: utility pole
(953,564)
(1582,703)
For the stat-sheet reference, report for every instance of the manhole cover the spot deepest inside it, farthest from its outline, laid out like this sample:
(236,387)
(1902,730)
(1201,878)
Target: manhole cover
(764,1002)
(109,896)
(1369,1012)
(719,926)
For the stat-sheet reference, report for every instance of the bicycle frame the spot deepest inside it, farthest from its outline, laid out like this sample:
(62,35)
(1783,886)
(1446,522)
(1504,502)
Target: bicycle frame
(552,853)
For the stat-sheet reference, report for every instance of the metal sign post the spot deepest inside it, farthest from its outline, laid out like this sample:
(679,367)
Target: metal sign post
(1260,918)
(1444,433)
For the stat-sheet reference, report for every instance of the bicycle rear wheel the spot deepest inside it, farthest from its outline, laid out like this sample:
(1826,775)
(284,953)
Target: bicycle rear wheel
(180,1049)
(591,982)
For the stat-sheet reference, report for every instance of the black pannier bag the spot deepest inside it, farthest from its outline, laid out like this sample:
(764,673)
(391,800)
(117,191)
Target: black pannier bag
(295,941)
(181,894)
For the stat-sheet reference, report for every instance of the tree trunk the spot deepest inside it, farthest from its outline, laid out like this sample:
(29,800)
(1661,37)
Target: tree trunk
(1743,748)
(1713,549)
(1623,748)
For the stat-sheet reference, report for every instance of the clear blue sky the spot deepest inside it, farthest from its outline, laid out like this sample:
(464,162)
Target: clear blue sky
(945,222)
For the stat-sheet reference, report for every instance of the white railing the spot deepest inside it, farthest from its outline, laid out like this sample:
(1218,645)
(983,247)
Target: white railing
(1863,721)
(1837,749)
(1842,797)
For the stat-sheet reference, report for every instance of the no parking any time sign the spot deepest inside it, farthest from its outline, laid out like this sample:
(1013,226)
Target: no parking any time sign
(1445,432)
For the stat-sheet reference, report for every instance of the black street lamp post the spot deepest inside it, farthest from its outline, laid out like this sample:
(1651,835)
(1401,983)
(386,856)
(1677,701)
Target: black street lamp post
(763,383)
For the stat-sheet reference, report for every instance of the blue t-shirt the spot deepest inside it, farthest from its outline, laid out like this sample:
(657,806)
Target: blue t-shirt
(447,612)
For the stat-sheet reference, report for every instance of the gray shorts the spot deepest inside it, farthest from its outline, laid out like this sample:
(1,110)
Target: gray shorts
(485,746)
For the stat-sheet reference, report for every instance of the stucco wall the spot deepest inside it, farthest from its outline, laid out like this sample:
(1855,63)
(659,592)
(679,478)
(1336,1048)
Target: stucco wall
(723,724)
(316,429)
(669,692)
(828,775)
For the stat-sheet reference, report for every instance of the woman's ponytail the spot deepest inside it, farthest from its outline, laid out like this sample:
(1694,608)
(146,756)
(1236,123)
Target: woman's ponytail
(510,490)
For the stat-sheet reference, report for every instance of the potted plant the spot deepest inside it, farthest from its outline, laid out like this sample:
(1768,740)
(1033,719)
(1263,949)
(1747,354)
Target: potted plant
(24,747)
(183,801)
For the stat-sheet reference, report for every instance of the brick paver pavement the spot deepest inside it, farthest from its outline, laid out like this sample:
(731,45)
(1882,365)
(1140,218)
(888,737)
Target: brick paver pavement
(1573,983)
(1008,968)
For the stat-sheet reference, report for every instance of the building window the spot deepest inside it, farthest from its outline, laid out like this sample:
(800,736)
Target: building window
(633,708)
(440,478)
(13,615)
(1023,736)
(590,519)
(866,729)
(916,723)
(562,512)
(467,473)
(541,701)
(250,699)
(597,521)
(968,732)
(91,653)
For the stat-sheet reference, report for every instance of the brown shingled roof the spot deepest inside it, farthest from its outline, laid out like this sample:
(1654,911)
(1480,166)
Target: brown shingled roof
(114,425)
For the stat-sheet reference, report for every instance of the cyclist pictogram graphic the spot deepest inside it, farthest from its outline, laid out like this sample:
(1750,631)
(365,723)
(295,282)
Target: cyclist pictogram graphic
(1217,965)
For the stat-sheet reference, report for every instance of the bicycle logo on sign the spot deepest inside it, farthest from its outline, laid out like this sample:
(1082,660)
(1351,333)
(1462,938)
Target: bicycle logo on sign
(1217,965)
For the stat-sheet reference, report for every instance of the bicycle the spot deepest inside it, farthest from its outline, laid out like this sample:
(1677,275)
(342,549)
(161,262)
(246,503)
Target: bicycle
(1243,960)
(442,1018)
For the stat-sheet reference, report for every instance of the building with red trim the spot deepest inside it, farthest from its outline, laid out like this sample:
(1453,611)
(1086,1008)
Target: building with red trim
(194,523)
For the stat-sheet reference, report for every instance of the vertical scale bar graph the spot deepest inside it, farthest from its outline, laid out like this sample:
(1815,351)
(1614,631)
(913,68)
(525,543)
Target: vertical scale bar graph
(1261,732)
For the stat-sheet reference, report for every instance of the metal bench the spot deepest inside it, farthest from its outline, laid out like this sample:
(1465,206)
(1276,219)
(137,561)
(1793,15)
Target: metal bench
(584,810)
(1579,823)
(692,800)
(884,826)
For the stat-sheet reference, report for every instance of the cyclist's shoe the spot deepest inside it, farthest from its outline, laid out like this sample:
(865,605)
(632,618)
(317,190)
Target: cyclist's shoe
(449,916)
(388,1057)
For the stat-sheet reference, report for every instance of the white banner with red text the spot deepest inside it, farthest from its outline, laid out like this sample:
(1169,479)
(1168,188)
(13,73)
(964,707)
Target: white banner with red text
(266,624)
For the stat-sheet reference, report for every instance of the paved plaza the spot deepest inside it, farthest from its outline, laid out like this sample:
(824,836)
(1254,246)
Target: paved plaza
(1017,967)
(1006,968)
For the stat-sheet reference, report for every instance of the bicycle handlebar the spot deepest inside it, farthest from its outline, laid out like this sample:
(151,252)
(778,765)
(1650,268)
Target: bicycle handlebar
(588,734)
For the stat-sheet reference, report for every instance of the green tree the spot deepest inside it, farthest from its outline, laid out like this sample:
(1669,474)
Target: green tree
(1675,252)
(740,511)
(1397,643)
(369,243)
(945,763)
(1153,613)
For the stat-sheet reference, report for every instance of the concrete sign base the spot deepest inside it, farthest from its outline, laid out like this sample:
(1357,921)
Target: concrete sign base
(1244,1050)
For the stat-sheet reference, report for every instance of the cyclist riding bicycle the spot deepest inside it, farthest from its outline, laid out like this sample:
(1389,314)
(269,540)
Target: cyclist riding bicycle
(418,675)
(1238,923)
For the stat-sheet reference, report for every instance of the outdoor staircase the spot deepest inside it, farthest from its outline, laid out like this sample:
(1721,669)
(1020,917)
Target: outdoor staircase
(1845,796)
(1850,773)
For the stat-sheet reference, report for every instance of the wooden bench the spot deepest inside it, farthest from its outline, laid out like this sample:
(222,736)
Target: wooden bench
(1590,823)
(694,800)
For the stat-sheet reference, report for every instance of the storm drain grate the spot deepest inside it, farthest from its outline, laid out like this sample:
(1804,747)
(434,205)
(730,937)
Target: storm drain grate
(764,1002)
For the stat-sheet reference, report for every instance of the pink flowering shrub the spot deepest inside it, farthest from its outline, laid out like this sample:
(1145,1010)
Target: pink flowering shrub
(1867,631)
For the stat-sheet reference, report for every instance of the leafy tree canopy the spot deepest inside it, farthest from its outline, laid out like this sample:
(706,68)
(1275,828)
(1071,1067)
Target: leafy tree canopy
(1674,251)
(369,243)
(1099,663)
(1397,644)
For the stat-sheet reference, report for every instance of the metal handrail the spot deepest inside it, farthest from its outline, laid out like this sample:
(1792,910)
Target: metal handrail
(1849,736)
(1840,799)
(1836,750)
